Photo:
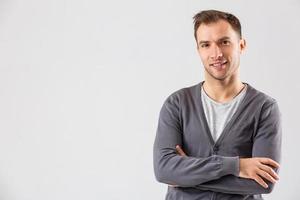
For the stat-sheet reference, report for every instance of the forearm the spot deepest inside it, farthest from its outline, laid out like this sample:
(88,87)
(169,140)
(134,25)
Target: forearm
(234,185)
(171,168)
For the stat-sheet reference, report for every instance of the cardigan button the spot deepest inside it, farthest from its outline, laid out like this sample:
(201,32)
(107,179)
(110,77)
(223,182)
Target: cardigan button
(216,149)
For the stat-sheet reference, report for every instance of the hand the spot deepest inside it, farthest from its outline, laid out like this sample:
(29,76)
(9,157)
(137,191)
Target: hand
(258,168)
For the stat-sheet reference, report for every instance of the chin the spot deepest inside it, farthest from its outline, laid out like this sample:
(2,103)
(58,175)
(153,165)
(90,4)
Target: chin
(220,78)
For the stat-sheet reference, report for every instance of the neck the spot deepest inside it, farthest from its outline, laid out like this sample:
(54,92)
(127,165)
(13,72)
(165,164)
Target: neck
(223,90)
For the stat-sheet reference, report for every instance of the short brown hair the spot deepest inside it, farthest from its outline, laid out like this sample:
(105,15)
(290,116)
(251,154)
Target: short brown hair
(212,16)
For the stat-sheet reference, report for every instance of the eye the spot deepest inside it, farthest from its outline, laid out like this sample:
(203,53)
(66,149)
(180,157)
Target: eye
(225,42)
(204,45)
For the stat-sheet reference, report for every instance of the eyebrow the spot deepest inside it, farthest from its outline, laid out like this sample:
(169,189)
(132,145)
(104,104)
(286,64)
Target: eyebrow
(203,42)
(222,38)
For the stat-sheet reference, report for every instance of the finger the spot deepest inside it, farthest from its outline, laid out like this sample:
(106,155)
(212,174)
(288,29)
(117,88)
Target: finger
(261,182)
(180,151)
(270,171)
(266,176)
(269,161)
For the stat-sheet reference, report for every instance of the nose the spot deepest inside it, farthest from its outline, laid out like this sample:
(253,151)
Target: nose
(216,52)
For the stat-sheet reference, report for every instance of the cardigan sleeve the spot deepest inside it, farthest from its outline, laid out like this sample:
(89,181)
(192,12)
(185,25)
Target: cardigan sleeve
(171,168)
(266,143)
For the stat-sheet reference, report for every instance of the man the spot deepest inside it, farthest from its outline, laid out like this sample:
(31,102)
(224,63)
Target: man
(219,139)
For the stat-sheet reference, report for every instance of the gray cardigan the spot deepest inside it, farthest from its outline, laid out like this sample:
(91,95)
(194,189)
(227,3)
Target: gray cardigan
(211,169)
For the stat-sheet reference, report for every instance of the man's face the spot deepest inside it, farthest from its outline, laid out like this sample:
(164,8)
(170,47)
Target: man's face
(219,47)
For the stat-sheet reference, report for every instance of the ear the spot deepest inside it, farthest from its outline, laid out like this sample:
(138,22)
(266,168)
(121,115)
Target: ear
(242,45)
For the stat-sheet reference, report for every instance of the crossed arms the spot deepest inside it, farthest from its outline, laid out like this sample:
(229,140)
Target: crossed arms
(233,175)
(249,168)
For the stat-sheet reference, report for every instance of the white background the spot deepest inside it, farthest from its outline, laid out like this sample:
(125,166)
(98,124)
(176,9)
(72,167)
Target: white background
(82,83)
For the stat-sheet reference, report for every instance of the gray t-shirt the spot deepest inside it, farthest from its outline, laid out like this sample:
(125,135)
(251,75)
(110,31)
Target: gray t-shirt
(218,114)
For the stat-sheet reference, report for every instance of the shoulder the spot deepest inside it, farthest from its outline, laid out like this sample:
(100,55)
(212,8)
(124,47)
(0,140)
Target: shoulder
(259,98)
(184,94)
(260,101)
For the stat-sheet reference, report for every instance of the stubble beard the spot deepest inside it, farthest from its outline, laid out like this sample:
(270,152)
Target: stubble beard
(211,74)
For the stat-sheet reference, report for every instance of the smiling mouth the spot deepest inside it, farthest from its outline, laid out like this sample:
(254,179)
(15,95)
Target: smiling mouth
(218,64)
